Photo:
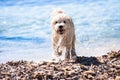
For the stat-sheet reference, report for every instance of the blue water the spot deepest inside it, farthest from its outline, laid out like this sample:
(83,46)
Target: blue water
(25,31)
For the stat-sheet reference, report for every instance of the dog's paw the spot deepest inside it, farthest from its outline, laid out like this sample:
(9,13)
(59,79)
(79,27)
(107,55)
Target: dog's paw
(58,52)
(73,59)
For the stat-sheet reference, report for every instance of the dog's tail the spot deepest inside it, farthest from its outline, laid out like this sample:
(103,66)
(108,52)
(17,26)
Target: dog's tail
(57,11)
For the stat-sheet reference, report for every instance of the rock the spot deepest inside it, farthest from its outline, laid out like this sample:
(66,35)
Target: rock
(65,73)
(75,78)
(113,54)
(89,72)
(48,77)
(83,67)
(42,63)
(50,63)
(90,77)
(117,78)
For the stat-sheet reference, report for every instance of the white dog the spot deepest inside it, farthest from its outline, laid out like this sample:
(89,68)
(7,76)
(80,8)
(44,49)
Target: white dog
(63,35)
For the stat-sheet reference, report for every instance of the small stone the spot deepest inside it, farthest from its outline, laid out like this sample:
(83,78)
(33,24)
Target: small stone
(83,67)
(90,72)
(49,64)
(66,73)
(113,54)
(117,78)
(34,64)
(55,69)
(42,63)
(90,77)
(68,68)
(47,77)
(69,78)
(38,76)
(75,78)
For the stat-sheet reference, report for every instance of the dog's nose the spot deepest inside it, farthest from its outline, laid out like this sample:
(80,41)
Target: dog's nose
(60,27)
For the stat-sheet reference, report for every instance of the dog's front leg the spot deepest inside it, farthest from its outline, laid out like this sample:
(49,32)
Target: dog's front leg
(67,54)
(73,55)
(57,52)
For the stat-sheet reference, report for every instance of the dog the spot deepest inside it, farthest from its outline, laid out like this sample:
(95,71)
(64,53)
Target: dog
(63,35)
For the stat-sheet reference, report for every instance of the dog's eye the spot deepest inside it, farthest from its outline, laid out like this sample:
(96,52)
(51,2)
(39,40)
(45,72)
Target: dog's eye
(64,21)
(56,22)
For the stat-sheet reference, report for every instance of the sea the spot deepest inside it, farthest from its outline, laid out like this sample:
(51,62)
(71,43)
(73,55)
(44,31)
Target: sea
(25,30)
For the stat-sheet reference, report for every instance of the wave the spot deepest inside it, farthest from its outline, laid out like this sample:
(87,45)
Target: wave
(40,2)
(36,39)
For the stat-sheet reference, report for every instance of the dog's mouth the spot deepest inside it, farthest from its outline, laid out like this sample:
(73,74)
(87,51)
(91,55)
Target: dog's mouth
(60,31)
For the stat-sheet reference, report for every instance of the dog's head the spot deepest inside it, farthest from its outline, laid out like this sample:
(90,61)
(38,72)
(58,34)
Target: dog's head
(61,22)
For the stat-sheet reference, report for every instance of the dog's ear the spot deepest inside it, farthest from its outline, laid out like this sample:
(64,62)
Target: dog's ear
(71,22)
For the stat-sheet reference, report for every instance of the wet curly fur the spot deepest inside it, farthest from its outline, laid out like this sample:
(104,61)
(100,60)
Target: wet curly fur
(63,34)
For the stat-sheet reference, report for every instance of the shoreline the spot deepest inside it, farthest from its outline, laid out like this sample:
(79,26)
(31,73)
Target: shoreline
(98,68)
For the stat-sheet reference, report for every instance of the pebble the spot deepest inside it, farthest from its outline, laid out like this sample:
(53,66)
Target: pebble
(117,78)
(87,68)
(89,72)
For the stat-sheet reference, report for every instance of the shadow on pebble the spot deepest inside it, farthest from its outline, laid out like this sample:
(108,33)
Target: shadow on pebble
(88,60)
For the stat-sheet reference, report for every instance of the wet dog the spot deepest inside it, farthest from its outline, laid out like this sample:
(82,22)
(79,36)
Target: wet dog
(63,35)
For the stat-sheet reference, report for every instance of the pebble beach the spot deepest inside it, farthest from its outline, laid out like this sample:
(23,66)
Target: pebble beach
(105,67)
(25,40)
